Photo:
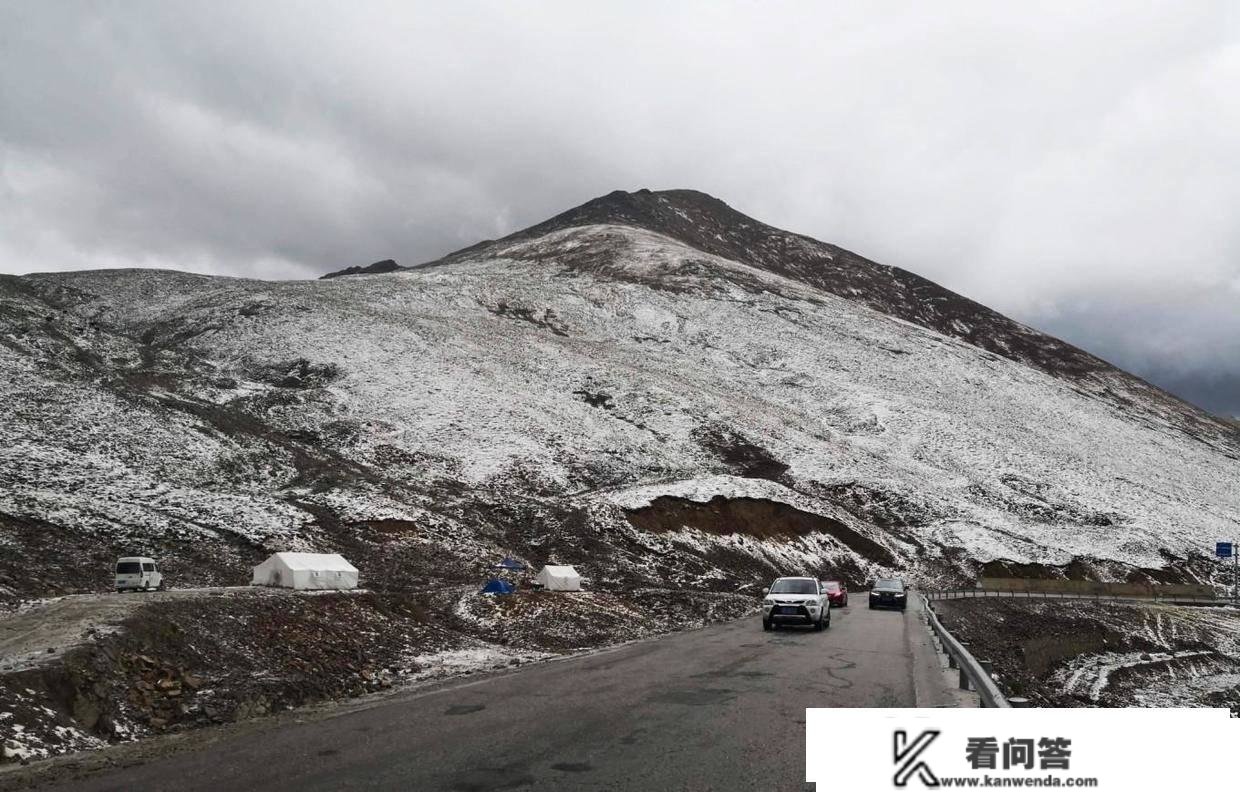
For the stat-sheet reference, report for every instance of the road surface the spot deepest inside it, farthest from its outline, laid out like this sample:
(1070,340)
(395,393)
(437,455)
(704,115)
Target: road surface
(719,708)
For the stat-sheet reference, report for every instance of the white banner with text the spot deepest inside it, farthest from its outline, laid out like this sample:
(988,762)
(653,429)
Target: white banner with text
(1110,749)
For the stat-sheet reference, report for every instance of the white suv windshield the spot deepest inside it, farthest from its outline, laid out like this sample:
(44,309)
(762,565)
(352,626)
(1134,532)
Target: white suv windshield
(794,587)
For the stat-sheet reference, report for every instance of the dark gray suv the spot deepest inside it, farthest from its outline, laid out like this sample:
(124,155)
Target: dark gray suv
(888,593)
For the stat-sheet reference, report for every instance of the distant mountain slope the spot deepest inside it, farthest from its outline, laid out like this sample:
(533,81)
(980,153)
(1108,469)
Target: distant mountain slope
(599,394)
(708,224)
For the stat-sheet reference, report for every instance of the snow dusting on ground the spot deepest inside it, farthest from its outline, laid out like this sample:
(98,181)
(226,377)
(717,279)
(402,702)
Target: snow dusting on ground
(600,395)
(518,375)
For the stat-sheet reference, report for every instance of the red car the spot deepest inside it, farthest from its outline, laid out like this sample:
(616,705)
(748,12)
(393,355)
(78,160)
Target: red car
(836,592)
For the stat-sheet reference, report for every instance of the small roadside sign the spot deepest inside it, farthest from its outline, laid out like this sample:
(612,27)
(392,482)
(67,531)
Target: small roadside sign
(1223,549)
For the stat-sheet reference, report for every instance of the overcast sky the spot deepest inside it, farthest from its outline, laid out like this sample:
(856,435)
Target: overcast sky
(1076,166)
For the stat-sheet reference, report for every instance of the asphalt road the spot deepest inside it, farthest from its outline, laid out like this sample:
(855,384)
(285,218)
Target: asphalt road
(720,708)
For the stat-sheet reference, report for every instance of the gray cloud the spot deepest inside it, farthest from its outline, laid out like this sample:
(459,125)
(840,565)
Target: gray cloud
(1075,168)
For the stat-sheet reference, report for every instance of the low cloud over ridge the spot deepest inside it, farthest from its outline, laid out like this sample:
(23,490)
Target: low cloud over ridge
(1074,168)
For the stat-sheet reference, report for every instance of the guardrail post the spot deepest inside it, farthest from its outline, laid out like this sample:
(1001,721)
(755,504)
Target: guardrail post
(972,674)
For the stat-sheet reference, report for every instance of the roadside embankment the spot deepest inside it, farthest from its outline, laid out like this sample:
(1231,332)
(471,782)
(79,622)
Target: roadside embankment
(1072,653)
(169,663)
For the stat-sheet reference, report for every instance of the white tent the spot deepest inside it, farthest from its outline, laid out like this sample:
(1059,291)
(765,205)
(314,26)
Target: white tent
(559,578)
(306,571)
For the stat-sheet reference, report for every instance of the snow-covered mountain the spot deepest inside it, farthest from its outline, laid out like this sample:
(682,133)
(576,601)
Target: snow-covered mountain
(651,385)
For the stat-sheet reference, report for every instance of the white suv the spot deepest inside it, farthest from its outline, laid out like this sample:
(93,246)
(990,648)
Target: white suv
(796,600)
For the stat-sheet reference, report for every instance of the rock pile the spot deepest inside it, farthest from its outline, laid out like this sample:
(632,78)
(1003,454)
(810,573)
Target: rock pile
(162,693)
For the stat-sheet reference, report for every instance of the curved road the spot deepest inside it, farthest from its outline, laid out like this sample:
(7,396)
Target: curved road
(718,708)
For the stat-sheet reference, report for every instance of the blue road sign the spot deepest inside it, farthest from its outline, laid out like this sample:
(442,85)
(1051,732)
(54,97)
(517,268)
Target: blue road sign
(1222,549)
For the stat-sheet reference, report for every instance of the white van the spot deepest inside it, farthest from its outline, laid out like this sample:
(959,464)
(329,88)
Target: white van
(138,573)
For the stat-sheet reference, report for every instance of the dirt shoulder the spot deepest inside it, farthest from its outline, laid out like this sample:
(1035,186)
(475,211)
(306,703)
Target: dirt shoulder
(1072,653)
(35,633)
(177,663)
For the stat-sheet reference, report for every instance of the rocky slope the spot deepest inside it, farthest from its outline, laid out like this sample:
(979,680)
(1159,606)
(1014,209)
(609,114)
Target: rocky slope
(1071,653)
(652,386)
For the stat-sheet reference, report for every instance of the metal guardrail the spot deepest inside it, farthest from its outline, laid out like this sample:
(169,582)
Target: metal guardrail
(974,674)
(947,594)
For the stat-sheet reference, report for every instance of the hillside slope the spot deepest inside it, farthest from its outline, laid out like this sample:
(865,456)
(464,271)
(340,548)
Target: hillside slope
(596,393)
(705,223)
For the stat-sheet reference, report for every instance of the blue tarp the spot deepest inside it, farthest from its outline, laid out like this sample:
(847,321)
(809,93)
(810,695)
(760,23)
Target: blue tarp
(497,586)
(509,563)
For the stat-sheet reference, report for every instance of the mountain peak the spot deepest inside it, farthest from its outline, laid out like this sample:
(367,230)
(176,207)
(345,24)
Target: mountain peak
(705,223)
(379,267)
(689,216)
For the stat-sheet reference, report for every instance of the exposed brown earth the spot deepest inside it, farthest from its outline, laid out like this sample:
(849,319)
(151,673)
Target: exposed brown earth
(756,517)
(1177,571)
(1068,653)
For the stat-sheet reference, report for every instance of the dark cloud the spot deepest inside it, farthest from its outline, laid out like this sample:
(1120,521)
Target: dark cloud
(1059,165)
(1185,339)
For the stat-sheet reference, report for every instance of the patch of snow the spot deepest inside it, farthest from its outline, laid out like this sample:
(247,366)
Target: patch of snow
(454,662)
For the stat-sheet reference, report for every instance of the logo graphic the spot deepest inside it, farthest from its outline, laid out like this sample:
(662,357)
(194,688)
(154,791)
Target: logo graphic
(908,761)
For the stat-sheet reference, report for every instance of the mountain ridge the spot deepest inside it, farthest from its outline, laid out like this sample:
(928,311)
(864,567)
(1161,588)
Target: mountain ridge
(709,224)
(596,393)
(379,267)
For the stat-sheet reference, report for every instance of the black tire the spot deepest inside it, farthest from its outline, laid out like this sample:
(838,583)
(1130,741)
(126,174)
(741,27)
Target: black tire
(818,624)
(766,624)
(827,625)
(871,606)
